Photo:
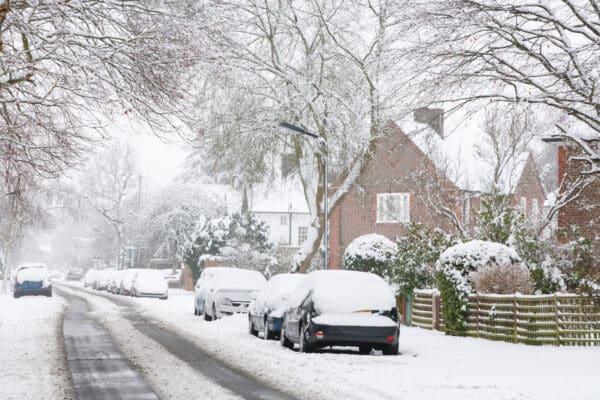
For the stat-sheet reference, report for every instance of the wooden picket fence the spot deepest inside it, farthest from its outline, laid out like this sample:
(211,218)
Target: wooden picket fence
(559,319)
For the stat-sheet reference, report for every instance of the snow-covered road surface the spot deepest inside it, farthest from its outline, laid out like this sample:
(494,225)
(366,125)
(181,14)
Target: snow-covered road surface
(32,362)
(430,366)
(98,369)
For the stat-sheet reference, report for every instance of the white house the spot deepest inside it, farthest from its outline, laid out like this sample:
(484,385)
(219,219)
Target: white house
(283,207)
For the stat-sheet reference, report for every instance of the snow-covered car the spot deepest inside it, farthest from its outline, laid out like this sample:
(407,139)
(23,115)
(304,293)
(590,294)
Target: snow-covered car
(114,281)
(342,308)
(89,277)
(265,313)
(149,283)
(74,274)
(101,279)
(32,279)
(173,278)
(229,291)
(126,279)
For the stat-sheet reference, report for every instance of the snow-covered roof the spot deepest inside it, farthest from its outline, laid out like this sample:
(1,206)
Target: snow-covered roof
(456,153)
(282,196)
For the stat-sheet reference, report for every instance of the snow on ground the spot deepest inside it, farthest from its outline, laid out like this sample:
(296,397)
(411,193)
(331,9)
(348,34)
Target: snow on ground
(430,365)
(169,377)
(32,363)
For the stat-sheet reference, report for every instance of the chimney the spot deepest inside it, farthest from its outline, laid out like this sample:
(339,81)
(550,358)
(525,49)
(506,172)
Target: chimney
(434,117)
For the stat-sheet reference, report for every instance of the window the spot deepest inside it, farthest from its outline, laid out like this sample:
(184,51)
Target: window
(535,208)
(302,234)
(524,205)
(393,208)
(283,220)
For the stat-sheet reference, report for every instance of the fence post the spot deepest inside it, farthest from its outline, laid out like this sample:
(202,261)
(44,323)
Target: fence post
(477,297)
(515,318)
(556,319)
(435,311)
(408,309)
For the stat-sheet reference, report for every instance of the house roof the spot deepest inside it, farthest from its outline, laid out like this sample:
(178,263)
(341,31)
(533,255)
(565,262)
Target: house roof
(281,196)
(456,153)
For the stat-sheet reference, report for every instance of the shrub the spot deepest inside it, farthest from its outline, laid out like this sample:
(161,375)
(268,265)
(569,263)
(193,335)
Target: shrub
(503,279)
(417,254)
(454,272)
(370,253)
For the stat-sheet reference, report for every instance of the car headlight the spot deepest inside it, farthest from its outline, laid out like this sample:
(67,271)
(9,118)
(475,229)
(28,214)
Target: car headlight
(225,301)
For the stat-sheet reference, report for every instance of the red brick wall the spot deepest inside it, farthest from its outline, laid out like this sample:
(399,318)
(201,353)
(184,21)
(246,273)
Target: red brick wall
(583,212)
(395,158)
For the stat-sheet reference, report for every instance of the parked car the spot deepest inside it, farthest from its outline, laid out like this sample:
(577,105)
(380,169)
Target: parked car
(149,283)
(90,277)
(55,275)
(74,274)
(265,313)
(114,281)
(126,279)
(229,291)
(174,279)
(101,279)
(342,308)
(32,278)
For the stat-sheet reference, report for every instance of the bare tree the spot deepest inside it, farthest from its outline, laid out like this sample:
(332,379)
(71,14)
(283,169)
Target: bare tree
(308,63)
(108,181)
(507,134)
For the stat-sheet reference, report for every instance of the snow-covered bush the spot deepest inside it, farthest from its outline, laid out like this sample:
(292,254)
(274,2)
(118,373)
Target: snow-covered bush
(502,279)
(418,251)
(370,253)
(454,273)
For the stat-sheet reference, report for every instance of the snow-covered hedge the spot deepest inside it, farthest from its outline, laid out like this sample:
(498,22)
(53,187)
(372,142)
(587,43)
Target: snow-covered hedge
(454,272)
(370,253)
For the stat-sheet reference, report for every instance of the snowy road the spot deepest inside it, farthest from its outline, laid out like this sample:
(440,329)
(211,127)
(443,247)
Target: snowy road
(97,379)
(430,365)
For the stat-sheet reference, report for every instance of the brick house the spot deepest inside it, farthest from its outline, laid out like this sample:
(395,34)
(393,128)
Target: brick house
(582,213)
(381,201)
(400,184)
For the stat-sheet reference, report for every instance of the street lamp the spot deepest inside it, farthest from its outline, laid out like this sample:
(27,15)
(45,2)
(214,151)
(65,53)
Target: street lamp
(295,130)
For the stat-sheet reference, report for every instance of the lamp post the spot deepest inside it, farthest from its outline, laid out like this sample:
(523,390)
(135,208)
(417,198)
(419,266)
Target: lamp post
(295,130)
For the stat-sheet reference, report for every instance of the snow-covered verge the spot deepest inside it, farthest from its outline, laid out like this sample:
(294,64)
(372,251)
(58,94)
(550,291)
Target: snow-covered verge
(32,361)
(430,365)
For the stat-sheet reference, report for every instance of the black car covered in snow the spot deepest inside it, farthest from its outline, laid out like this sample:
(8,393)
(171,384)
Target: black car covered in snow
(342,308)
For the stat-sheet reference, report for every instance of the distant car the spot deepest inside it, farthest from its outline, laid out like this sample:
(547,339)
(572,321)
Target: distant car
(126,279)
(32,279)
(342,308)
(74,274)
(55,275)
(173,278)
(265,313)
(149,283)
(90,277)
(229,291)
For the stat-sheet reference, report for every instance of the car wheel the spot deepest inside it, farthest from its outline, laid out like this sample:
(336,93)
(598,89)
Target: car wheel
(364,349)
(304,346)
(251,329)
(284,341)
(49,294)
(267,334)
(205,313)
(196,310)
(214,312)
(391,350)
(16,295)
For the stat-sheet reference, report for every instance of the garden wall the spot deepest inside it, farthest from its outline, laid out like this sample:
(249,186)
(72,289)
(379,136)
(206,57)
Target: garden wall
(559,319)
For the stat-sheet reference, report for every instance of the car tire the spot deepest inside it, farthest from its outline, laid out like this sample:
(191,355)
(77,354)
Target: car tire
(304,346)
(364,349)
(164,297)
(267,334)
(251,329)
(284,341)
(391,349)
(195,310)
(49,294)
(205,313)
(16,295)
(214,312)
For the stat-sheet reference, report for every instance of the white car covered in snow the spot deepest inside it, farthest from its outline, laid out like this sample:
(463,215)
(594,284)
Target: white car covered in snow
(126,280)
(149,283)
(342,308)
(226,291)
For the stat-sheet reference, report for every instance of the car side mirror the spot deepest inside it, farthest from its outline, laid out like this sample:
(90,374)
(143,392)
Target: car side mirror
(253,295)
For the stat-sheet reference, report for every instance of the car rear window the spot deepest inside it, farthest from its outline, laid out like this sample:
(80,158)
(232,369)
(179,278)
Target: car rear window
(32,274)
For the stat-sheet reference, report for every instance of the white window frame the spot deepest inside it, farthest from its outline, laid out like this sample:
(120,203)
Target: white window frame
(385,218)
(300,234)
